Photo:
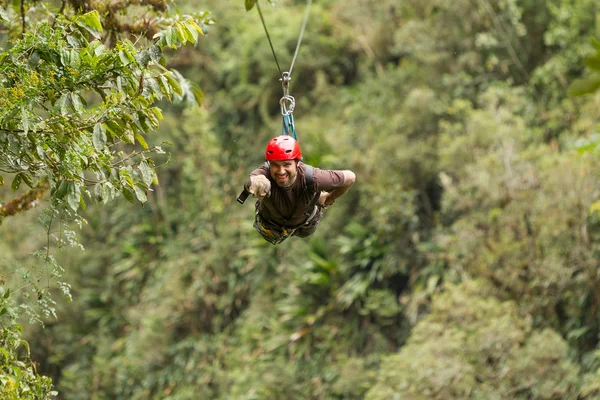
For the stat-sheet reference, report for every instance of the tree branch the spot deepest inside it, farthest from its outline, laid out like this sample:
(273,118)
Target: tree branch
(62,9)
(24,202)
(23,17)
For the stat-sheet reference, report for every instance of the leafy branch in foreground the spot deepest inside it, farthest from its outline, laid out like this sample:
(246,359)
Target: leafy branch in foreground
(590,83)
(74,113)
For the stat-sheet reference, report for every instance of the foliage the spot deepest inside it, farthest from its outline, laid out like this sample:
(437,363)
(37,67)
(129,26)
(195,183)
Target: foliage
(473,346)
(51,137)
(462,264)
(19,378)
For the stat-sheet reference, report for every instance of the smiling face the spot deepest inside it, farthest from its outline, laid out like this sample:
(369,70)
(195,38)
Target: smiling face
(284,172)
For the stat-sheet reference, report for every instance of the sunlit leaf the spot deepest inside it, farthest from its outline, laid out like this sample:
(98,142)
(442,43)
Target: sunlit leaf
(78,102)
(140,194)
(182,35)
(73,196)
(146,173)
(25,120)
(173,83)
(581,87)
(3,15)
(141,141)
(90,22)
(99,136)
(195,25)
(190,33)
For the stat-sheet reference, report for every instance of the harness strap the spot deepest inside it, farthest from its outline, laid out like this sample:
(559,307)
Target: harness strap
(311,209)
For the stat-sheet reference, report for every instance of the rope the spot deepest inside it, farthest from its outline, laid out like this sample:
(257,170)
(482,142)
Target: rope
(287,102)
(302,30)
(268,36)
(304,22)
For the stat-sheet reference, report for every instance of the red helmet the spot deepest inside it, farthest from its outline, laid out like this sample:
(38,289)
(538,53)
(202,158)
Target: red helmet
(283,147)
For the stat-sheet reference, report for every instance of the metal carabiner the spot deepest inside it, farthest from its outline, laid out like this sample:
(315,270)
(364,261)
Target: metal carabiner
(287,103)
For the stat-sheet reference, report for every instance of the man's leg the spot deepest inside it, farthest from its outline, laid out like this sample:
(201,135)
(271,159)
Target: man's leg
(305,231)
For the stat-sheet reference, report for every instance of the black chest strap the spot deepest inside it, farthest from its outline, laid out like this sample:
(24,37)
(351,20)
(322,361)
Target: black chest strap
(308,174)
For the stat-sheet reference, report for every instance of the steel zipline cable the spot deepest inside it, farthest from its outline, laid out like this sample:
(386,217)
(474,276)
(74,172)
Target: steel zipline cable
(302,30)
(287,102)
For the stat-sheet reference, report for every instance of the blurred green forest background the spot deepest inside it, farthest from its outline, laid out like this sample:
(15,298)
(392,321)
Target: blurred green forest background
(463,264)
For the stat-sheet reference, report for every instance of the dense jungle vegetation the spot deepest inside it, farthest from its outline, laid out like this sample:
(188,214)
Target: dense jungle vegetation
(462,264)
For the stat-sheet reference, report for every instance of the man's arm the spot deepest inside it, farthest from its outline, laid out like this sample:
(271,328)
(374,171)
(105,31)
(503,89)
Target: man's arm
(329,199)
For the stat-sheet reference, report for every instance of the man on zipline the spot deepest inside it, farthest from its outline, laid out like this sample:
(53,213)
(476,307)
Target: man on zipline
(291,195)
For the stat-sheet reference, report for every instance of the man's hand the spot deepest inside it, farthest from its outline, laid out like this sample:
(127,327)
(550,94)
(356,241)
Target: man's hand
(260,187)
(323,202)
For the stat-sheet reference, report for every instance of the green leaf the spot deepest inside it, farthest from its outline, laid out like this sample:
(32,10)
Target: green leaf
(198,94)
(73,196)
(155,53)
(106,192)
(3,311)
(27,179)
(146,171)
(249,4)
(140,194)
(581,87)
(173,83)
(182,36)
(195,25)
(61,190)
(90,22)
(3,14)
(3,351)
(124,58)
(593,62)
(141,141)
(65,104)
(78,102)
(24,120)
(158,112)
(595,43)
(173,37)
(163,83)
(1,180)
(191,34)
(74,59)
(7,294)
(99,136)
(128,195)
(16,183)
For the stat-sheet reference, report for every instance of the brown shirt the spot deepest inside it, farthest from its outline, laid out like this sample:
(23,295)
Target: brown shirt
(286,207)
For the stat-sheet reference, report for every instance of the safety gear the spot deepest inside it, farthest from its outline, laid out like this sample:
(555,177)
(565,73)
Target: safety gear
(260,187)
(283,147)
